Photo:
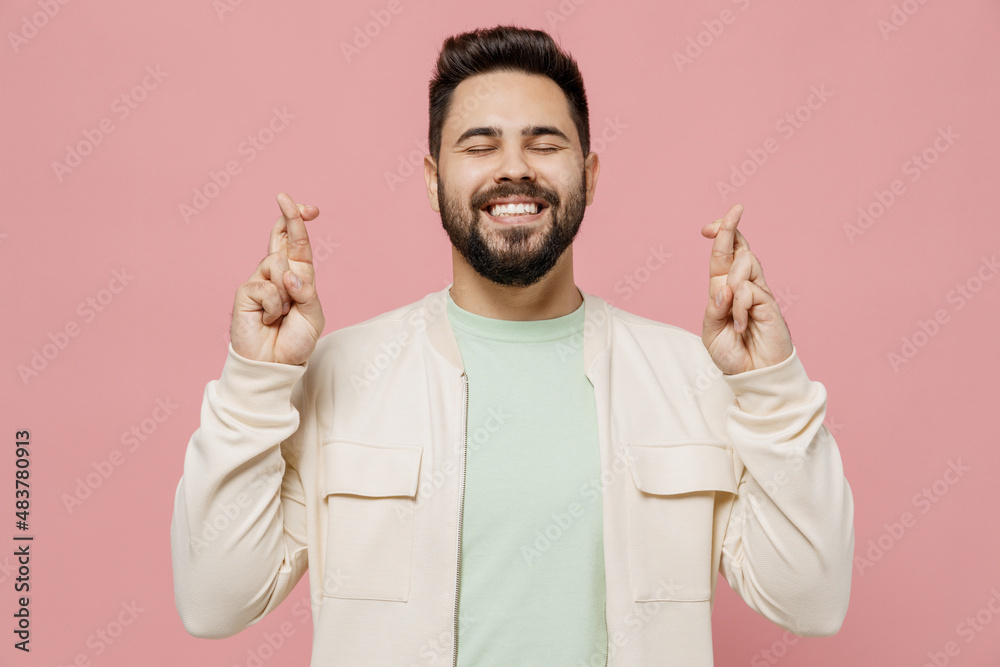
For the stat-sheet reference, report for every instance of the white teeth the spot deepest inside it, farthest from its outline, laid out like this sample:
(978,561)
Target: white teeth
(498,210)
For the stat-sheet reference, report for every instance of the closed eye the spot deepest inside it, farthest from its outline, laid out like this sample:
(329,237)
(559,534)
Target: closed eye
(485,150)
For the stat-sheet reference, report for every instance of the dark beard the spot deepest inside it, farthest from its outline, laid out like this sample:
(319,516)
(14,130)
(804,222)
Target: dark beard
(519,266)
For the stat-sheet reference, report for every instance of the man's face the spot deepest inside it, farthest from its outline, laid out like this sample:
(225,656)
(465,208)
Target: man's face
(509,135)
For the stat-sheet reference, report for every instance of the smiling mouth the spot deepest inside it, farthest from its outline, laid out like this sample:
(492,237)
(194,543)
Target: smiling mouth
(526,209)
(511,219)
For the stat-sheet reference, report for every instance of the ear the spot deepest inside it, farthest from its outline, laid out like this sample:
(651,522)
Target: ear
(430,178)
(591,167)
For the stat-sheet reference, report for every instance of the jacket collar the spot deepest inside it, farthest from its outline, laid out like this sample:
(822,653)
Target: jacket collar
(596,333)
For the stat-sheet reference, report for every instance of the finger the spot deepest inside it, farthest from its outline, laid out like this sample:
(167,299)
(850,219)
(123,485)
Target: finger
(711,229)
(723,246)
(272,269)
(297,241)
(717,313)
(745,297)
(306,300)
(746,267)
(264,294)
(740,243)
(279,235)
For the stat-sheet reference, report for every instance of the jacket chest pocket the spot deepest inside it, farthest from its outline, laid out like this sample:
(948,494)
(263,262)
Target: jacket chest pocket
(370,493)
(671,510)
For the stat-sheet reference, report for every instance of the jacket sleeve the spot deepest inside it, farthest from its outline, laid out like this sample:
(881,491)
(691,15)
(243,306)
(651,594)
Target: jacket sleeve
(238,533)
(789,544)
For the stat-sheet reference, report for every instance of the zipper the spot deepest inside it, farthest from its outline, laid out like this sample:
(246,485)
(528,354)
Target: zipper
(458,556)
(461,507)
(607,635)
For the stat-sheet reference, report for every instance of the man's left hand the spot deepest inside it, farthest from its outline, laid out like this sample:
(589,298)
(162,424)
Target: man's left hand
(743,328)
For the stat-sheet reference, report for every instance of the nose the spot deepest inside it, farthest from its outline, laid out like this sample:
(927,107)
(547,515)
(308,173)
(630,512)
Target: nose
(513,167)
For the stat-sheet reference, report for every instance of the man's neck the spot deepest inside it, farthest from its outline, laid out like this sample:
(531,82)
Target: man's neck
(553,296)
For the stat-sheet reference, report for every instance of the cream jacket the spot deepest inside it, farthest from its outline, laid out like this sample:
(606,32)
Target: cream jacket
(351,466)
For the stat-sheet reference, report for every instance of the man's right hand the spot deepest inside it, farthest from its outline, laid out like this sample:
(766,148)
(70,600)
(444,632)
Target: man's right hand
(274,318)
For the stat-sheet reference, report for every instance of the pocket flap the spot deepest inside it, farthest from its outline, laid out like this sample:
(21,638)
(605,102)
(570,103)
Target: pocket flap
(668,469)
(377,471)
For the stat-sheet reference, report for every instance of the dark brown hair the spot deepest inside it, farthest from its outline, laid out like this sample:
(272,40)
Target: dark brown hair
(506,48)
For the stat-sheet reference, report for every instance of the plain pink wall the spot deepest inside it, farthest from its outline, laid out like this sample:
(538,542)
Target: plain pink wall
(683,97)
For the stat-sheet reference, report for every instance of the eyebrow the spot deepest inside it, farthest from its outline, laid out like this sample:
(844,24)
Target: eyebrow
(529,131)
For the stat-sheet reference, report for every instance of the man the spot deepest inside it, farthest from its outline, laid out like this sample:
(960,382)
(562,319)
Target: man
(510,471)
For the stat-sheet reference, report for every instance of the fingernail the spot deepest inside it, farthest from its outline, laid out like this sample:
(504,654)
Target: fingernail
(296,282)
(718,298)
(286,308)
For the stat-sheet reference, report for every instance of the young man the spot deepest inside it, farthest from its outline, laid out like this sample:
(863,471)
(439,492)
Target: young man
(510,471)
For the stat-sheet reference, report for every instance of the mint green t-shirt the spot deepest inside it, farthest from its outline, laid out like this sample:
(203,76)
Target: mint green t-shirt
(531,590)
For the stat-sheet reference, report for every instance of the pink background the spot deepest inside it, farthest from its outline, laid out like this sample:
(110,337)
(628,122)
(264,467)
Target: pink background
(850,298)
